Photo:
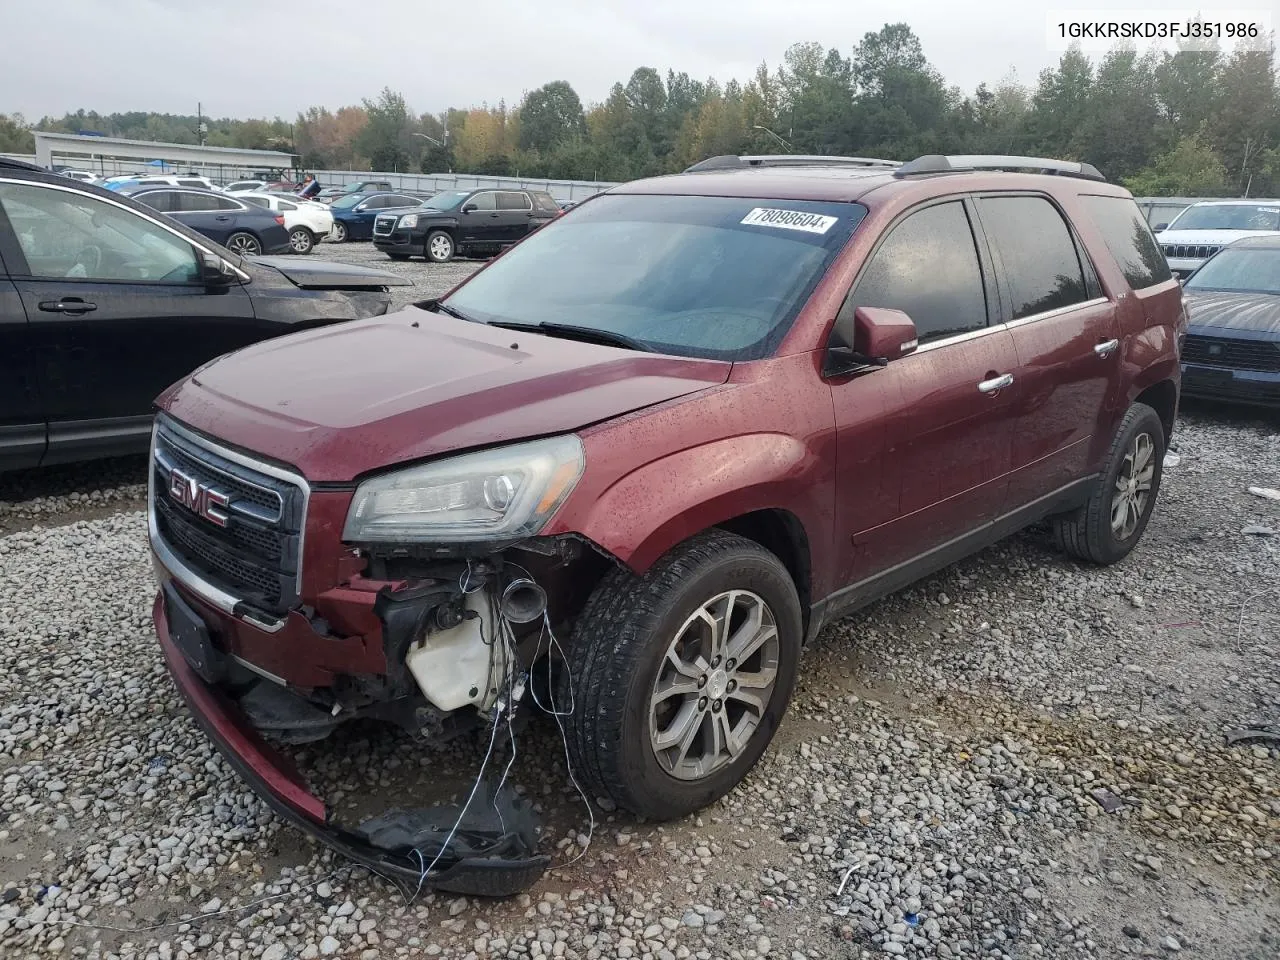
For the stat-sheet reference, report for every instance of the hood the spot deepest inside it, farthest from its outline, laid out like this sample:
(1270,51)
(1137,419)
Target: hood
(328,275)
(1206,237)
(337,402)
(1256,312)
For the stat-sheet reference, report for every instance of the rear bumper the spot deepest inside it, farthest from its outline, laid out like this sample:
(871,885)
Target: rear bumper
(274,778)
(1256,387)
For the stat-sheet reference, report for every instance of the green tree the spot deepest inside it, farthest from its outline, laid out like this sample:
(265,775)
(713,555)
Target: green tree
(550,116)
(1191,169)
(388,133)
(15,135)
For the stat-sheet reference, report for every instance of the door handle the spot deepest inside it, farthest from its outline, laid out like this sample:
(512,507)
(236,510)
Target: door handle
(996,384)
(69,305)
(222,218)
(494,216)
(1107,348)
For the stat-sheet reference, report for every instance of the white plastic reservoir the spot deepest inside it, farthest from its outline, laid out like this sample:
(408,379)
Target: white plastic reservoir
(456,667)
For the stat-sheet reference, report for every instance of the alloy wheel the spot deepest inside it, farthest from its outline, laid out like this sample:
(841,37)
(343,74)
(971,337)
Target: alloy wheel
(1133,486)
(244,245)
(441,247)
(714,685)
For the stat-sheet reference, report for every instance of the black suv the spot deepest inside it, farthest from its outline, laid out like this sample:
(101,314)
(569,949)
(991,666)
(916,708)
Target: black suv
(463,222)
(104,302)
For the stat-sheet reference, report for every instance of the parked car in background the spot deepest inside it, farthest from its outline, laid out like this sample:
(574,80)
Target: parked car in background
(84,176)
(1202,229)
(241,227)
(307,223)
(195,182)
(104,303)
(354,213)
(246,186)
(655,448)
(1233,341)
(463,221)
(329,194)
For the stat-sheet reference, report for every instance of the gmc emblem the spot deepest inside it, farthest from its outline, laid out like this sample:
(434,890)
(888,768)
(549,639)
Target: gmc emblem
(203,501)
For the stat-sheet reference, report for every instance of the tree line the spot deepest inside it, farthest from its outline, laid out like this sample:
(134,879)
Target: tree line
(1182,124)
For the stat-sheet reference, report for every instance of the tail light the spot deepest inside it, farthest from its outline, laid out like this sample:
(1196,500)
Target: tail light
(280,219)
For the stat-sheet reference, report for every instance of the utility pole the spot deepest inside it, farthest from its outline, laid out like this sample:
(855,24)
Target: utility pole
(201,127)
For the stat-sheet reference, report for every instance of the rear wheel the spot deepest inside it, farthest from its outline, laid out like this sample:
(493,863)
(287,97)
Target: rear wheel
(678,679)
(439,246)
(301,240)
(1112,522)
(245,244)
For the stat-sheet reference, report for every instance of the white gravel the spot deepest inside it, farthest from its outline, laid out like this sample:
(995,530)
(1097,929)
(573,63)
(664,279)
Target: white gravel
(934,792)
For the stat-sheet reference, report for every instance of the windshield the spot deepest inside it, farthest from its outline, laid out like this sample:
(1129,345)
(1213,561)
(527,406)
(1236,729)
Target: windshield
(1239,271)
(447,200)
(350,200)
(1228,216)
(715,277)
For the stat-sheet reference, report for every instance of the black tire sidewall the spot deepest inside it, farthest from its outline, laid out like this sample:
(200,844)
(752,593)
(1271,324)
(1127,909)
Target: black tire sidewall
(1143,419)
(652,788)
(426,246)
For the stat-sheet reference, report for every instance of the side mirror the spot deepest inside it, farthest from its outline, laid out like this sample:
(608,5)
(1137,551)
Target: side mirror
(215,272)
(872,337)
(1161,226)
(470,208)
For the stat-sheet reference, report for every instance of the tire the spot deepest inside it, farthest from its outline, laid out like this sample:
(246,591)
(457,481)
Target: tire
(1092,532)
(301,240)
(339,232)
(621,649)
(439,246)
(244,244)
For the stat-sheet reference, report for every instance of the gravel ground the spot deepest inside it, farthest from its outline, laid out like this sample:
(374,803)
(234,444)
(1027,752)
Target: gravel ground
(936,790)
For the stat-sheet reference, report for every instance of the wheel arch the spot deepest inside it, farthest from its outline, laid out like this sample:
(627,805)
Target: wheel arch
(1162,397)
(780,532)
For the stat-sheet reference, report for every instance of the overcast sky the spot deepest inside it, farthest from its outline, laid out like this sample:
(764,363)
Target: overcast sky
(258,58)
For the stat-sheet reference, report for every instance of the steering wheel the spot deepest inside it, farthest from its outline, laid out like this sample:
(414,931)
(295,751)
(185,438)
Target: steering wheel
(90,258)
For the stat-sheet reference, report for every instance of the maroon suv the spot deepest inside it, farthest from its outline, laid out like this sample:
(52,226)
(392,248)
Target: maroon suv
(638,460)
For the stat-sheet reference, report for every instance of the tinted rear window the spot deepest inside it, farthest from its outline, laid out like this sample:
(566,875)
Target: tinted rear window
(545,201)
(1128,237)
(1036,252)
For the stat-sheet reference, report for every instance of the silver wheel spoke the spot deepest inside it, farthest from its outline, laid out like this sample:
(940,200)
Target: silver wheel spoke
(675,687)
(690,735)
(681,726)
(750,699)
(692,670)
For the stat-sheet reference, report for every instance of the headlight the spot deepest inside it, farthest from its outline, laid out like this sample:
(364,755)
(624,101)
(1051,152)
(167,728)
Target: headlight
(409,221)
(500,494)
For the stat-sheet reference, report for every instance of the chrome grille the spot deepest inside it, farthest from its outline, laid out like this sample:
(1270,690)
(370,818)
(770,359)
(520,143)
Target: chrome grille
(1190,251)
(256,556)
(384,223)
(1234,353)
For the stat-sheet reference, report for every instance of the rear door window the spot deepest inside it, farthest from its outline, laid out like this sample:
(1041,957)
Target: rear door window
(927,267)
(1035,253)
(544,201)
(1126,233)
(166,201)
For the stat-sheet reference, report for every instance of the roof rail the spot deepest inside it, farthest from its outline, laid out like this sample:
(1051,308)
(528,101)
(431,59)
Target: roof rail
(732,162)
(935,163)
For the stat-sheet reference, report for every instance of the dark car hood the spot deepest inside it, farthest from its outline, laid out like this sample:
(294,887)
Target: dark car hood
(340,401)
(327,275)
(1254,312)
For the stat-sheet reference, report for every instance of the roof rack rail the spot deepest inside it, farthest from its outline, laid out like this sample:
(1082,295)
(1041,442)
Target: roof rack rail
(935,163)
(732,162)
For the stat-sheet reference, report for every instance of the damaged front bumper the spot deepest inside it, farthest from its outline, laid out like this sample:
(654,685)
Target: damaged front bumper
(502,862)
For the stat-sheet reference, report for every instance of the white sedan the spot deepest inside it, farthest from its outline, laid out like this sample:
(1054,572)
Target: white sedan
(307,221)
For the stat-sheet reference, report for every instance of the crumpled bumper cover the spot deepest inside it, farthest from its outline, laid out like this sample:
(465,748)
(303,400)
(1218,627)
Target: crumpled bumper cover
(274,778)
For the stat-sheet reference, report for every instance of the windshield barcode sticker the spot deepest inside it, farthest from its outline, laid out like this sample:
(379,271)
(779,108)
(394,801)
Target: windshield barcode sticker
(789,220)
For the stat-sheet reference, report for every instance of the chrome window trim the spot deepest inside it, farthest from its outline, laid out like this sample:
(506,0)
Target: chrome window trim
(1009,325)
(215,596)
(137,213)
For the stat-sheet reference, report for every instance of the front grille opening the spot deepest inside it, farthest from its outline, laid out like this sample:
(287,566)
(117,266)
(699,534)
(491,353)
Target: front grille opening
(1236,354)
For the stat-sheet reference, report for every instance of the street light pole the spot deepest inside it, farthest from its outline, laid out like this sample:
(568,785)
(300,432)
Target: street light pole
(786,146)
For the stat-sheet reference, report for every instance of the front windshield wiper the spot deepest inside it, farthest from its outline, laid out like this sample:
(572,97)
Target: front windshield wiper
(453,312)
(570,332)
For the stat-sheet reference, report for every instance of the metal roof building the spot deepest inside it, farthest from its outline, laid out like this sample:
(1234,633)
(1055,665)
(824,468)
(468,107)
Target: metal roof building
(93,152)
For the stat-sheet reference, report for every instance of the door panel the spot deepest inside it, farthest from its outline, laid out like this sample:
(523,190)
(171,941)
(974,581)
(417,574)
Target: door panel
(22,427)
(481,225)
(1065,335)
(947,448)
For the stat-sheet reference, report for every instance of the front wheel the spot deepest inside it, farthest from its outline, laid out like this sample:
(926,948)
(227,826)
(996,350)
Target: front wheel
(301,240)
(678,679)
(439,246)
(245,244)
(339,232)
(1112,522)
